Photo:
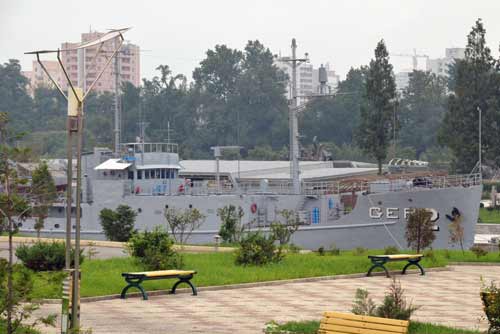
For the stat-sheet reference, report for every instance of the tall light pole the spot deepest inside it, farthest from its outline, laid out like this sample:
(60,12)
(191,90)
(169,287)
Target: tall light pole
(480,145)
(294,63)
(70,320)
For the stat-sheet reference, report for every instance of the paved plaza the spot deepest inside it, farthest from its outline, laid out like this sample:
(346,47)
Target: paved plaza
(445,297)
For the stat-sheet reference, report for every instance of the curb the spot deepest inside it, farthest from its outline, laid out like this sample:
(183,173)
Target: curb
(244,285)
(116,244)
(487,264)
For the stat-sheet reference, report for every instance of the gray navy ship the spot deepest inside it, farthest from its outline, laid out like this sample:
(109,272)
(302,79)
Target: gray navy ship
(340,203)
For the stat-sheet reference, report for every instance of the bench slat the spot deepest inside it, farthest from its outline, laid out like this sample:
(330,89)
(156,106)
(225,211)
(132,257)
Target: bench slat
(397,256)
(358,324)
(364,318)
(162,273)
(351,330)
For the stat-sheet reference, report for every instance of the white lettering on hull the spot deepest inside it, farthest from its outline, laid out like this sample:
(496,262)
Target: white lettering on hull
(376,212)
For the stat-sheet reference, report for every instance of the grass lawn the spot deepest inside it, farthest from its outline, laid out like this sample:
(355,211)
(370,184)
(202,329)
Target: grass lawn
(311,327)
(103,277)
(489,216)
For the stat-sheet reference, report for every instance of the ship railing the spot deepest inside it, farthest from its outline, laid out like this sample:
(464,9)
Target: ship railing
(150,147)
(317,188)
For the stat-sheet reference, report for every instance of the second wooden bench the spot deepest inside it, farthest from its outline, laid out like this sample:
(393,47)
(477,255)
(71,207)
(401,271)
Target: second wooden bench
(379,261)
(135,279)
(345,323)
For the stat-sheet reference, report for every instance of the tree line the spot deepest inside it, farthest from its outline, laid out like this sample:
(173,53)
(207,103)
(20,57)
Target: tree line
(238,97)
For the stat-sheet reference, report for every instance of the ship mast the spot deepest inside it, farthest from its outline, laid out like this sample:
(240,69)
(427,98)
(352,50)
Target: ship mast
(293,107)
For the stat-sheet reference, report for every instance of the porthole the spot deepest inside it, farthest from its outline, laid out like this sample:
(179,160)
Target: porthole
(166,206)
(410,200)
(19,224)
(139,210)
(379,202)
(56,226)
(190,206)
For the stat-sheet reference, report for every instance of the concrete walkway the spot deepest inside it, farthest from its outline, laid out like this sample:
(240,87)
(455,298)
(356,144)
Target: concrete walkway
(446,297)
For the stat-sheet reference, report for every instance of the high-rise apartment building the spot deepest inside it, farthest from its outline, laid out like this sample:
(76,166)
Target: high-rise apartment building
(307,79)
(83,66)
(38,78)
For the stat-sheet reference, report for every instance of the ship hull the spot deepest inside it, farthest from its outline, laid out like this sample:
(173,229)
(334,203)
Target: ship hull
(378,220)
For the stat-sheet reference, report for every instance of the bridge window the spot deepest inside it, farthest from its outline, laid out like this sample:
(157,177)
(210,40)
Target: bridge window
(139,174)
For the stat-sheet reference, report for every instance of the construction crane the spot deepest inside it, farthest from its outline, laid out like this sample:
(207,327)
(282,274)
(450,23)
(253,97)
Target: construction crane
(414,57)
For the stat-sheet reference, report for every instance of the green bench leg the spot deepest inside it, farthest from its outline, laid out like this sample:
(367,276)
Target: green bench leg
(413,263)
(133,284)
(186,280)
(378,265)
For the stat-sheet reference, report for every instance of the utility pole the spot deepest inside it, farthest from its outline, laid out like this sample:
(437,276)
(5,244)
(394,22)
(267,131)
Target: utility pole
(480,145)
(294,63)
(117,103)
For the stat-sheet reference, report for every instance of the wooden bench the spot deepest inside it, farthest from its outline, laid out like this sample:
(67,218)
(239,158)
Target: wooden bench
(344,323)
(379,261)
(135,280)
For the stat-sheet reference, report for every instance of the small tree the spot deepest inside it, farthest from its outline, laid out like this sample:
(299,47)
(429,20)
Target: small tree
(44,194)
(456,229)
(419,229)
(118,225)
(231,228)
(15,289)
(183,223)
(284,231)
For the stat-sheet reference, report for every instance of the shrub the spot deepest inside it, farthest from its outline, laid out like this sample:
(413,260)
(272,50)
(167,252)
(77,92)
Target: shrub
(45,256)
(231,228)
(358,251)
(363,304)
(394,305)
(334,250)
(478,251)
(118,225)
(490,296)
(257,249)
(155,249)
(21,304)
(321,251)
(390,250)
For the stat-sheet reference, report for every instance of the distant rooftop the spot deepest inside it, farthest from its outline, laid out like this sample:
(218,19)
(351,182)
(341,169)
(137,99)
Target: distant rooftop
(273,170)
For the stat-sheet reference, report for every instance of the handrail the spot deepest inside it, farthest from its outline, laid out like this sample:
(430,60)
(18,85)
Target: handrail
(328,187)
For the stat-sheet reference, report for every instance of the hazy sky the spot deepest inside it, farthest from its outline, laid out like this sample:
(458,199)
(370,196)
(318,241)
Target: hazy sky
(178,33)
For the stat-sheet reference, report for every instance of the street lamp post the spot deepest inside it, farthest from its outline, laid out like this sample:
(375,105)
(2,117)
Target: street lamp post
(75,97)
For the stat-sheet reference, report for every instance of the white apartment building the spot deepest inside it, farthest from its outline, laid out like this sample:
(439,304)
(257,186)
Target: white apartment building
(439,66)
(307,79)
